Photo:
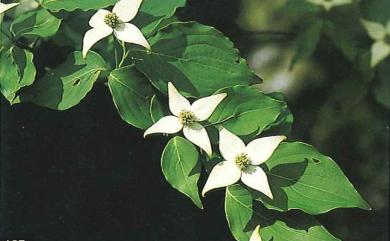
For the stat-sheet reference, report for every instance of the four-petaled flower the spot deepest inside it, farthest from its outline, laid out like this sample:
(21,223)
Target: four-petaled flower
(242,162)
(104,23)
(4,7)
(187,117)
(256,235)
(381,34)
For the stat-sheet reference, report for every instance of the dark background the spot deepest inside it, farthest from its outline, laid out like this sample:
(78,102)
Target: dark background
(84,174)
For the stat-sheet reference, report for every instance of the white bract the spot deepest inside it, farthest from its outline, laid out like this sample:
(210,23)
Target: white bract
(104,23)
(256,235)
(242,162)
(381,35)
(186,117)
(5,7)
(328,4)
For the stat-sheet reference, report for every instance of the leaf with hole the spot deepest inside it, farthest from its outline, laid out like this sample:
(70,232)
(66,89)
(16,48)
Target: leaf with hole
(66,85)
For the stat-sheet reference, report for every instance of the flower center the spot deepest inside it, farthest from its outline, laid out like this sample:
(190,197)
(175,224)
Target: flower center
(112,20)
(186,117)
(242,161)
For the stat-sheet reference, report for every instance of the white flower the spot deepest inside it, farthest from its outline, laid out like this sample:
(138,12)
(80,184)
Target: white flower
(256,235)
(104,23)
(4,7)
(187,117)
(328,4)
(381,34)
(242,162)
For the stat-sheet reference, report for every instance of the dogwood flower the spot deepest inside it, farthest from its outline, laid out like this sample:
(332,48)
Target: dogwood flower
(104,23)
(256,235)
(242,162)
(328,4)
(5,7)
(186,117)
(381,35)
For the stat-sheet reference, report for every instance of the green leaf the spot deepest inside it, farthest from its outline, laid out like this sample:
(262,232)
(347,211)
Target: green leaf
(66,85)
(342,40)
(24,61)
(301,7)
(381,88)
(181,167)
(198,59)
(302,178)
(375,10)
(71,5)
(9,75)
(307,41)
(17,70)
(157,108)
(152,13)
(132,94)
(246,110)
(243,216)
(283,125)
(5,42)
(37,23)
(149,17)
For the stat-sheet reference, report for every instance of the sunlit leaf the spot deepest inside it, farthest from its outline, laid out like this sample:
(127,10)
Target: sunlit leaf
(71,5)
(302,178)
(243,215)
(150,15)
(181,167)
(198,59)
(17,70)
(246,110)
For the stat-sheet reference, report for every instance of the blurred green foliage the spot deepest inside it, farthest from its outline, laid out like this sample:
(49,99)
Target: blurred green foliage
(340,103)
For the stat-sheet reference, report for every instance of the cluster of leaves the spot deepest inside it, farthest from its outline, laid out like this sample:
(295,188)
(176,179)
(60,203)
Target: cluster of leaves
(200,61)
(363,38)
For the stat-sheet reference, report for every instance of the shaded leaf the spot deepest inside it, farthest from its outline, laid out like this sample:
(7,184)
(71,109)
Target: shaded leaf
(152,13)
(132,94)
(37,23)
(66,85)
(381,88)
(157,108)
(307,41)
